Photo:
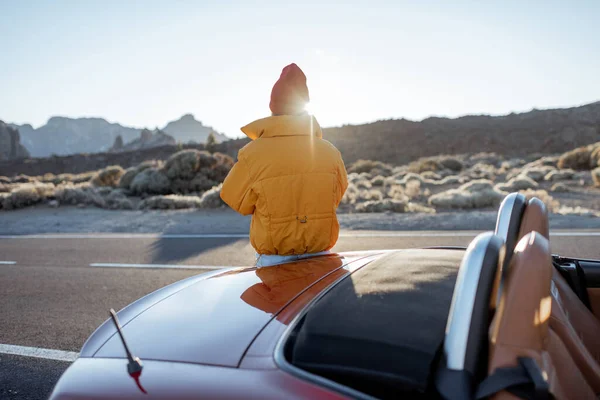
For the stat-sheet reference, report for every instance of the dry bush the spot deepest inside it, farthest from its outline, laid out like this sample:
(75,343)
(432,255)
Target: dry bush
(367,166)
(412,189)
(578,210)
(578,159)
(425,164)
(2,197)
(212,198)
(411,176)
(492,159)
(518,183)
(451,163)
(543,196)
(170,202)
(131,173)
(475,194)
(481,171)
(377,206)
(397,192)
(536,173)
(559,175)
(379,180)
(596,177)
(152,181)
(560,188)
(27,194)
(117,200)
(453,180)
(431,176)
(185,164)
(108,176)
(5,180)
(595,158)
(81,193)
(22,179)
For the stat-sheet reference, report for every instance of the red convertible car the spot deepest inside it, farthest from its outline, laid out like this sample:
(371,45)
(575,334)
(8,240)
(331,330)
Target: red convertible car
(500,319)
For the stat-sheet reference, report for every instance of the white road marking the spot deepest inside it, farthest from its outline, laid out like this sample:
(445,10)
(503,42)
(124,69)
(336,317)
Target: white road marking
(8,262)
(165,266)
(48,354)
(382,234)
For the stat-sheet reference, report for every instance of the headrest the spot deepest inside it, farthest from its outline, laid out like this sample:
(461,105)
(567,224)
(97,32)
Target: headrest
(509,219)
(474,298)
(535,218)
(521,320)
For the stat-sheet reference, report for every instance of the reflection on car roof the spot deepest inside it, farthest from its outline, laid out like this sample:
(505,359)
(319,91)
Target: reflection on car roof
(380,329)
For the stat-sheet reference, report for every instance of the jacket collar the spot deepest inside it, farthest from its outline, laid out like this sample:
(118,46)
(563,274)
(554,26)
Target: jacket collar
(283,125)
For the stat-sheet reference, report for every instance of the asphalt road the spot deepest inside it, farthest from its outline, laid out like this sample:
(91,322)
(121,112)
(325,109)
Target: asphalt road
(55,290)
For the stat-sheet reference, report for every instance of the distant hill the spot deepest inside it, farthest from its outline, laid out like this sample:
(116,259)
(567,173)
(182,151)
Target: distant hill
(188,130)
(536,131)
(63,136)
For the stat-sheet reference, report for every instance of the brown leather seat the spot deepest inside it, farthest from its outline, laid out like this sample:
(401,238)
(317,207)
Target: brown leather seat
(572,321)
(520,325)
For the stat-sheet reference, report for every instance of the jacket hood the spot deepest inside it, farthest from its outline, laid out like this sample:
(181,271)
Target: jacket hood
(283,125)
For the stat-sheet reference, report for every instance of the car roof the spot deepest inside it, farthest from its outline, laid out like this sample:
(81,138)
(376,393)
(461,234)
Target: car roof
(380,329)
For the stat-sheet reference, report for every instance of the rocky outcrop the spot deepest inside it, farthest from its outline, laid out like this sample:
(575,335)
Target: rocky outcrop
(189,130)
(10,144)
(147,139)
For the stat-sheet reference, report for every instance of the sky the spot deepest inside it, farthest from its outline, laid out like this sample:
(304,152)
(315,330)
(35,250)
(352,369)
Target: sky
(145,63)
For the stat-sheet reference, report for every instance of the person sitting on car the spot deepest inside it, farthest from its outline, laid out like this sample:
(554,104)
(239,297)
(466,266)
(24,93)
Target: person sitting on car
(289,178)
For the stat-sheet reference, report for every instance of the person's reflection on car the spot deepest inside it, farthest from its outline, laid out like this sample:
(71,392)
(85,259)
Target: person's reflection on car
(281,283)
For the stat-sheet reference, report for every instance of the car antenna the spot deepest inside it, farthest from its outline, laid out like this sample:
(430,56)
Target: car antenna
(134,366)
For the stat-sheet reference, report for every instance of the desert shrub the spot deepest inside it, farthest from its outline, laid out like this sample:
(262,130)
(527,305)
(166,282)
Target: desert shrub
(578,210)
(451,163)
(536,173)
(595,158)
(412,189)
(185,164)
(22,179)
(362,183)
(170,202)
(396,192)
(367,166)
(379,180)
(431,176)
(559,175)
(117,200)
(27,194)
(596,177)
(481,171)
(543,196)
(560,187)
(212,198)
(152,181)
(108,176)
(5,180)
(578,159)
(520,182)
(492,159)
(81,193)
(475,194)
(2,197)
(376,206)
(425,164)
(452,180)
(411,176)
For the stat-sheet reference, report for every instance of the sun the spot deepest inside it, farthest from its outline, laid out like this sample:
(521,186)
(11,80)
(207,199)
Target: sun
(309,108)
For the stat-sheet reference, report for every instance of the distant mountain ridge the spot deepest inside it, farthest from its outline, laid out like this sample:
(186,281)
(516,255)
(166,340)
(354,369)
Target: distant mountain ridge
(517,134)
(63,135)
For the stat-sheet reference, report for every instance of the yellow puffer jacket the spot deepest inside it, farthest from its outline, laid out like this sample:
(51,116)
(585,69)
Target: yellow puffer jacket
(291,180)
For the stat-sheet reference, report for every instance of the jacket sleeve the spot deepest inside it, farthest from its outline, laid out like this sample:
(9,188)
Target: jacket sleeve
(237,189)
(342,181)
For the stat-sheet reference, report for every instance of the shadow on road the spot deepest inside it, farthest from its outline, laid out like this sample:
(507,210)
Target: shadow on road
(170,250)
